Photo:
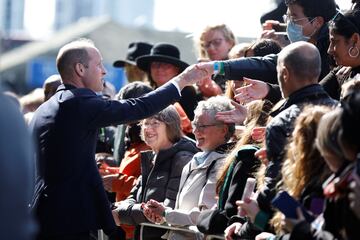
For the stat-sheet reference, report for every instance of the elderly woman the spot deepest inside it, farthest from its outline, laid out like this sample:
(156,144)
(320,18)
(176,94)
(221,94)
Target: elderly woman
(160,170)
(197,189)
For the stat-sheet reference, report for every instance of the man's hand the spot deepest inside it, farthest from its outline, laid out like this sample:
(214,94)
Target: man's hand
(262,156)
(232,230)
(108,181)
(237,115)
(193,74)
(253,90)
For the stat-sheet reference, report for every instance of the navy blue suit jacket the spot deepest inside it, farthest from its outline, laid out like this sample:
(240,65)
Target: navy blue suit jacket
(69,195)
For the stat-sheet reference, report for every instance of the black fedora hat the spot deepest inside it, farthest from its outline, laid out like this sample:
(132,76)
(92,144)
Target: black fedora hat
(135,50)
(162,52)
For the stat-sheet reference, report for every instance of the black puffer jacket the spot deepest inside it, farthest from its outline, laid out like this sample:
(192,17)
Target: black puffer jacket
(158,181)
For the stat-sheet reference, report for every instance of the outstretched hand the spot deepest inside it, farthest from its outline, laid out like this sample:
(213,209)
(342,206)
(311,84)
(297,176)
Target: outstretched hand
(237,115)
(153,211)
(192,74)
(253,90)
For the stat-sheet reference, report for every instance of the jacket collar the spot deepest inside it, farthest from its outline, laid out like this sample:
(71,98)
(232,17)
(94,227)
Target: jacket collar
(308,93)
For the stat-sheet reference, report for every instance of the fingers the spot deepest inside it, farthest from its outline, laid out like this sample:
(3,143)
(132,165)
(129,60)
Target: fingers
(116,217)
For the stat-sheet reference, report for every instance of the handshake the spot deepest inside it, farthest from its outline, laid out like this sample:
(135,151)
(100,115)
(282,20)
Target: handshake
(195,74)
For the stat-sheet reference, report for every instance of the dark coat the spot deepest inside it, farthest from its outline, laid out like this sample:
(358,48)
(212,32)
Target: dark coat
(69,197)
(159,181)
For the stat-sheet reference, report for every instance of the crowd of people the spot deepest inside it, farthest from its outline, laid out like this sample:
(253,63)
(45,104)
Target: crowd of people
(172,155)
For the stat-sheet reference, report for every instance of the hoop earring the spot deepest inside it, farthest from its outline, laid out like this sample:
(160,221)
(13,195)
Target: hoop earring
(353,55)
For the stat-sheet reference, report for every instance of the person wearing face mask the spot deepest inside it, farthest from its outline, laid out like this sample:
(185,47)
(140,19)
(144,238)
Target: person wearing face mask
(306,21)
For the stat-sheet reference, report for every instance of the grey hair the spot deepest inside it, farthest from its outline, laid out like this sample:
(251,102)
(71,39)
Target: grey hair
(214,105)
(171,118)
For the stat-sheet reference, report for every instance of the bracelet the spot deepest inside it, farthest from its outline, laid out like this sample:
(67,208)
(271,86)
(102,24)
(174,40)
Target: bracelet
(219,68)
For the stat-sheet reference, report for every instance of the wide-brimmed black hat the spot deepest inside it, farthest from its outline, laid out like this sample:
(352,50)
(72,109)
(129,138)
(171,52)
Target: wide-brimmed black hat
(162,52)
(135,50)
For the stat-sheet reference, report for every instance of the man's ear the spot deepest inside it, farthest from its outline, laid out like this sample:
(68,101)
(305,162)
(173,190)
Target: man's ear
(79,69)
(286,73)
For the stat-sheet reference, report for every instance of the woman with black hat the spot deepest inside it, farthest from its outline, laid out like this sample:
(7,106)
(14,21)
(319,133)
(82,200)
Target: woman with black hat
(162,64)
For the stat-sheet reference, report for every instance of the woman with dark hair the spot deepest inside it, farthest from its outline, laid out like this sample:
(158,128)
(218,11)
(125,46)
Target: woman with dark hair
(344,31)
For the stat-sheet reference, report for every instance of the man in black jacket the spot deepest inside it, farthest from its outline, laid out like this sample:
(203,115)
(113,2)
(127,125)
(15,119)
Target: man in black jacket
(298,69)
(69,198)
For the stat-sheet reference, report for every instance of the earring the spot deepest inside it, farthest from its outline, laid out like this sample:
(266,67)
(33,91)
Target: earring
(350,52)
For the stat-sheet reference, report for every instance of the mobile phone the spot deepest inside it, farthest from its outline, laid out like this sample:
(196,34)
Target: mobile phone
(248,191)
(283,35)
(281,27)
(288,205)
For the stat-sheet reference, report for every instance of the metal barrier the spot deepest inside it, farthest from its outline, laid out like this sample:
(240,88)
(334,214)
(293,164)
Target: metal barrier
(102,236)
(183,229)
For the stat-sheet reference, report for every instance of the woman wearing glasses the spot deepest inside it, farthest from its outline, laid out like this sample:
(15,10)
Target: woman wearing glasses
(160,170)
(197,188)
(214,44)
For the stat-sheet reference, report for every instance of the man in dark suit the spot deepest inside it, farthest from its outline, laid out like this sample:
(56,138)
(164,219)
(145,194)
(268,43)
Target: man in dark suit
(69,198)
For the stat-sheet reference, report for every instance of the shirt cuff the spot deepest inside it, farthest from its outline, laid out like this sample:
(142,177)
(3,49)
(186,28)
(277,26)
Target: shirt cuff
(176,85)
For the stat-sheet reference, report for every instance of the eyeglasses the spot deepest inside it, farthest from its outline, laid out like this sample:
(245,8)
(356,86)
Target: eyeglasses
(215,43)
(288,18)
(201,127)
(154,124)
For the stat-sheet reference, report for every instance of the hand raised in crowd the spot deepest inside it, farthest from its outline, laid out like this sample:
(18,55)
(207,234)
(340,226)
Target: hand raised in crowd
(192,75)
(108,181)
(232,230)
(209,87)
(237,115)
(253,90)
(153,211)
(258,134)
(250,207)
(354,195)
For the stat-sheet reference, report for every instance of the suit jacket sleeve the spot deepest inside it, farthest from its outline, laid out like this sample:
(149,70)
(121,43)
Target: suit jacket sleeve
(100,113)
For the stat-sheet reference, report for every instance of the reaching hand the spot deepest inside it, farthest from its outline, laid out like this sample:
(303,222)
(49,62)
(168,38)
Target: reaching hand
(264,236)
(237,115)
(192,75)
(232,230)
(253,90)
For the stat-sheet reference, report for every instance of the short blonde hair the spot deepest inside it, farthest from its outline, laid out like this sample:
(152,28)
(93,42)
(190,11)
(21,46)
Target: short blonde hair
(199,40)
